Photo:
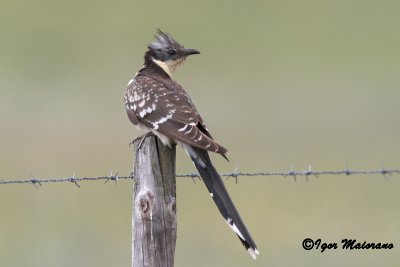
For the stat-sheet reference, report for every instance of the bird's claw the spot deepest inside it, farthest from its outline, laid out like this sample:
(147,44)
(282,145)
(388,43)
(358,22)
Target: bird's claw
(141,139)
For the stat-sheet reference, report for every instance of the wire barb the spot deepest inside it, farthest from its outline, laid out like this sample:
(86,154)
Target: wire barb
(35,182)
(193,176)
(114,177)
(233,174)
(73,180)
(292,173)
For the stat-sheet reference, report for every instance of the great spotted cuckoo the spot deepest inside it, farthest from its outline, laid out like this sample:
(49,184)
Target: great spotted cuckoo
(156,103)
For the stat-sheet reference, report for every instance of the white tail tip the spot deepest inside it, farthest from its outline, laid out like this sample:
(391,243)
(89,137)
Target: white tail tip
(253,253)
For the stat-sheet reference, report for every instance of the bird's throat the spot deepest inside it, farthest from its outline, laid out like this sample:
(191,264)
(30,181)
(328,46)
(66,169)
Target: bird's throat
(168,66)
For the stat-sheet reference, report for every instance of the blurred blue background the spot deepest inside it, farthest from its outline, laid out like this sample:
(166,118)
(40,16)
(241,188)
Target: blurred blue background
(280,84)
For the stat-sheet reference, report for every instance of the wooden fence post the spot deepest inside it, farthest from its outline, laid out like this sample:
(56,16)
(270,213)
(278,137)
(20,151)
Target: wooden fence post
(154,205)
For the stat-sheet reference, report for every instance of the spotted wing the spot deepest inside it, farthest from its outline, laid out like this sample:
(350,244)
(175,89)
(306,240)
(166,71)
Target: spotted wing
(168,110)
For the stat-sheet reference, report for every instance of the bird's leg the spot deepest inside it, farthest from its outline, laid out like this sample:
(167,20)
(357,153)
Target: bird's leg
(141,139)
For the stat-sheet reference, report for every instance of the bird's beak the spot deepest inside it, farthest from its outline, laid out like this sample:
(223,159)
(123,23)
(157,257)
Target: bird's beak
(189,51)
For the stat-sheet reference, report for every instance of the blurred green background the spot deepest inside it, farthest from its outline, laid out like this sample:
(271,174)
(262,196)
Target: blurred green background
(280,83)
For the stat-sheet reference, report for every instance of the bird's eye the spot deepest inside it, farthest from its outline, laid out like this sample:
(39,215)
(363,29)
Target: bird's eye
(172,52)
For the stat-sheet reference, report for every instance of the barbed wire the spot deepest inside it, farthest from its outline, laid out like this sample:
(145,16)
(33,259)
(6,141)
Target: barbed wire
(235,174)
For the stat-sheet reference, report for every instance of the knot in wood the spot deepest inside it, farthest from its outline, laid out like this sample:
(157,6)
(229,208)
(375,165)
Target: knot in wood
(172,205)
(146,203)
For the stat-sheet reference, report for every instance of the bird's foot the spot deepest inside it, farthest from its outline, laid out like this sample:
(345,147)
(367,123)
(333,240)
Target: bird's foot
(141,139)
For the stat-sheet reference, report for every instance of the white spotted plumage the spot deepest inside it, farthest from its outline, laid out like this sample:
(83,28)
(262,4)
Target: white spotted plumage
(183,128)
(141,104)
(163,119)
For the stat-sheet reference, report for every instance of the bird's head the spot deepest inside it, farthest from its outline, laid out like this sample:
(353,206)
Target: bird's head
(168,53)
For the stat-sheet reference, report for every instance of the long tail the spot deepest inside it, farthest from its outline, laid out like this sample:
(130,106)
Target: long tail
(220,195)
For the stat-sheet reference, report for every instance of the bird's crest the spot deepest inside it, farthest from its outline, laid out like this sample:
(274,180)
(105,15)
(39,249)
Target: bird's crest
(164,41)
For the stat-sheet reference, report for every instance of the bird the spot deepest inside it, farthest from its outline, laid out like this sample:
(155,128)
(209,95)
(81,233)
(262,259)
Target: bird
(156,104)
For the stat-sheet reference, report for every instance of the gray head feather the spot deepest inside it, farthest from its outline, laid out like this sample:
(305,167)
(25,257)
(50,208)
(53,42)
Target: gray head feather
(164,41)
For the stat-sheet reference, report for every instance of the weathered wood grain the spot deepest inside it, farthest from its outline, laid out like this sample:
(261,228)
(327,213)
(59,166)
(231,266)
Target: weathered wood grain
(154,206)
